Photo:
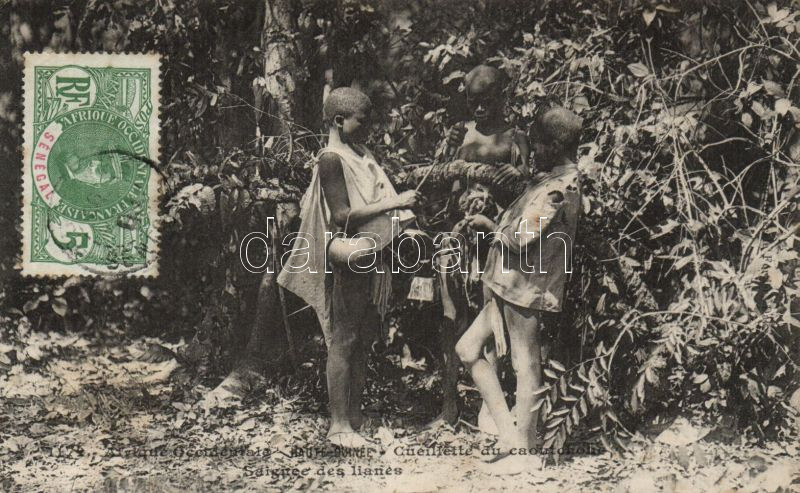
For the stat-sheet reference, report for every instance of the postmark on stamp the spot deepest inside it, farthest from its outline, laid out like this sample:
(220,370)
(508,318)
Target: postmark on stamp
(90,196)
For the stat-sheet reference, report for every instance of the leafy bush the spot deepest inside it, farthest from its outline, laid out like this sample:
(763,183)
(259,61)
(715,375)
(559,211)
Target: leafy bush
(687,247)
(691,208)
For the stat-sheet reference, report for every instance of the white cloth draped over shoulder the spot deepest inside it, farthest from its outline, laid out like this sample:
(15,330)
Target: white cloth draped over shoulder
(304,272)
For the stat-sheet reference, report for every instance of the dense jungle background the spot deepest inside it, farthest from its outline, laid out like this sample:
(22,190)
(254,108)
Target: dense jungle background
(686,297)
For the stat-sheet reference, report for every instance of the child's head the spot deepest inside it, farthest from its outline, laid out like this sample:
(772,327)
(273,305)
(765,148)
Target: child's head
(485,92)
(348,111)
(557,135)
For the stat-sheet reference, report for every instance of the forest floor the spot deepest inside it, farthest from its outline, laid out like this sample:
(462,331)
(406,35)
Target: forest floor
(105,412)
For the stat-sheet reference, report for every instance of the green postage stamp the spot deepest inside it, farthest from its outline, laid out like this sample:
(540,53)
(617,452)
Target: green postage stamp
(91,185)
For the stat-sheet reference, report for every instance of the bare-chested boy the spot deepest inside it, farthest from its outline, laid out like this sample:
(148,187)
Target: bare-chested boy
(348,191)
(487,138)
(526,273)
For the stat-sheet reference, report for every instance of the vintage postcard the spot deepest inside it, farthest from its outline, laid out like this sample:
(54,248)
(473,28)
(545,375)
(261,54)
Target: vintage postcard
(400,246)
(90,181)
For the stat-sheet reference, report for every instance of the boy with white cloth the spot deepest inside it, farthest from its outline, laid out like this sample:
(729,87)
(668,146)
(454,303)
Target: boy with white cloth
(349,193)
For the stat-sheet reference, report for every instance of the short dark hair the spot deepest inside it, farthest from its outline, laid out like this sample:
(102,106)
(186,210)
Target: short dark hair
(560,126)
(344,101)
(487,77)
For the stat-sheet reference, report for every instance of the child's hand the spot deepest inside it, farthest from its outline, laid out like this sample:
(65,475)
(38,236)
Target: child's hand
(506,174)
(455,137)
(480,222)
(407,199)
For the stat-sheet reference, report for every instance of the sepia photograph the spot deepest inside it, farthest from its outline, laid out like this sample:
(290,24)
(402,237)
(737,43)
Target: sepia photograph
(400,245)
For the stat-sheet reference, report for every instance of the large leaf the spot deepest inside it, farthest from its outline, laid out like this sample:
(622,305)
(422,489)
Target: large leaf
(639,69)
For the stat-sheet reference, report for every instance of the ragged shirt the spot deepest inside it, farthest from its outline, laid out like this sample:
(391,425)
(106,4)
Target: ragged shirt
(539,282)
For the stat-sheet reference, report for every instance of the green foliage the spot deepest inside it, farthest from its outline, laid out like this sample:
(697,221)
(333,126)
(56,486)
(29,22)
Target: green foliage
(687,247)
(687,251)
(691,202)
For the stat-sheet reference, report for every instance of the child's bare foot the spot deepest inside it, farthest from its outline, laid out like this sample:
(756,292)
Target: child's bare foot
(347,439)
(500,451)
(485,420)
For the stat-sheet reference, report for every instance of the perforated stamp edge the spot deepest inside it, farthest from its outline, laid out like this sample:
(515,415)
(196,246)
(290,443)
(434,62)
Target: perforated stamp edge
(101,60)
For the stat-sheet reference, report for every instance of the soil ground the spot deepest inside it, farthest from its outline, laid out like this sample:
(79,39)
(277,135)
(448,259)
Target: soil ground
(104,412)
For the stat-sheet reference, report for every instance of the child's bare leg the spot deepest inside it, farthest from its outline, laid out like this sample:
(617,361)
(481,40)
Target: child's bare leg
(359,372)
(485,419)
(344,361)
(449,333)
(523,328)
(339,372)
(469,349)
(490,353)
(526,358)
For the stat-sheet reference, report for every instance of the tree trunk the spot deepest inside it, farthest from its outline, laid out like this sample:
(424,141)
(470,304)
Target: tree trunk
(276,95)
(236,125)
(282,70)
